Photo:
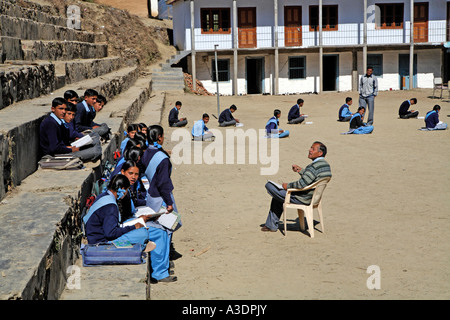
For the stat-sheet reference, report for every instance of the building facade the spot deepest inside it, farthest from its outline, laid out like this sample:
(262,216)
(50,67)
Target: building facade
(293,46)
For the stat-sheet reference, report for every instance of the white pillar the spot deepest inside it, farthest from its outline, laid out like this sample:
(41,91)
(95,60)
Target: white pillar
(411,48)
(235,50)
(276,71)
(365,38)
(320,49)
(193,54)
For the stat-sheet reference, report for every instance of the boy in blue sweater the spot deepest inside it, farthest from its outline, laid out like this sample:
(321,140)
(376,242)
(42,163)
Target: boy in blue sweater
(432,119)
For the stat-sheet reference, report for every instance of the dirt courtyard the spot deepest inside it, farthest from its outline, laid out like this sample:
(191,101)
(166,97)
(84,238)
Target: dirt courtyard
(387,205)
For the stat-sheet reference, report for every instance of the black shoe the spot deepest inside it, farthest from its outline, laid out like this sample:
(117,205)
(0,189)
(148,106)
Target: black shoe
(166,279)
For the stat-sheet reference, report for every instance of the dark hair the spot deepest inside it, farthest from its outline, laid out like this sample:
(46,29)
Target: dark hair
(276,112)
(133,154)
(153,133)
(205,115)
(117,182)
(140,139)
(370,67)
(141,126)
(101,98)
(90,93)
(132,127)
(348,99)
(437,107)
(300,101)
(128,164)
(71,107)
(233,107)
(178,103)
(322,148)
(414,99)
(58,101)
(70,94)
(361,107)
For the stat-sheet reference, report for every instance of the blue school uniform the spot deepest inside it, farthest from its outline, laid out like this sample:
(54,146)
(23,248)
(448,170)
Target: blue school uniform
(199,128)
(344,112)
(226,116)
(51,136)
(272,124)
(84,117)
(294,112)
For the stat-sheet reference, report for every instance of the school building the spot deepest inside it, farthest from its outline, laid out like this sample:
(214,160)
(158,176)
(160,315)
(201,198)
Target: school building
(301,46)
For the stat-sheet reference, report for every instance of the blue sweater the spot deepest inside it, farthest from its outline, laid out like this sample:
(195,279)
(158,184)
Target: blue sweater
(103,225)
(84,119)
(226,116)
(173,116)
(431,119)
(161,184)
(344,112)
(51,136)
(294,113)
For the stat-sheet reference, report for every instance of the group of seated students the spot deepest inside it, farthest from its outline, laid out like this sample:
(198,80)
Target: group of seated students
(357,125)
(70,119)
(294,117)
(142,157)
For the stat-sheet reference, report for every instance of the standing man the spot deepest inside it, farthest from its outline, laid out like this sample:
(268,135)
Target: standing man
(316,170)
(368,90)
(173,116)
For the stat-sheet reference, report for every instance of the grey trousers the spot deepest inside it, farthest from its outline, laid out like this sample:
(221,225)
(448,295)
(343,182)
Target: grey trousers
(297,120)
(369,104)
(205,137)
(179,124)
(93,152)
(410,115)
(276,206)
(227,123)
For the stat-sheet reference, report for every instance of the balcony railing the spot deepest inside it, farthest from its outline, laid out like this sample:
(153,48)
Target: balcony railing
(301,37)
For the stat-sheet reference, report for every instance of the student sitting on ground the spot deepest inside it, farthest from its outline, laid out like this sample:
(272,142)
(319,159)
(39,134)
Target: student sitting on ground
(92,151)
(294,115)
(344,111)
(226,117)
(200,131)
(404,112)
(272,130)
(432,119)
(84,119)
(102,220)
(357,126)
(173,116)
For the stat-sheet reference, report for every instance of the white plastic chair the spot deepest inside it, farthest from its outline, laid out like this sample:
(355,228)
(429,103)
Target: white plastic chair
(308,210)
(437,84)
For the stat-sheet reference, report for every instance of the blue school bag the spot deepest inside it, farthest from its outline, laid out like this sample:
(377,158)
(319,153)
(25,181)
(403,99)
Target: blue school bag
(108,254)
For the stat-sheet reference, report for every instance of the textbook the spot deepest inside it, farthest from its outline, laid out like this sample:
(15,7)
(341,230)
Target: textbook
(279,186)
(86,140)
(122,243)
(147,211)
(169,220)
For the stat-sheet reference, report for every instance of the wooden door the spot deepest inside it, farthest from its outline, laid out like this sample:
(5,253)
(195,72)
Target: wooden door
(247,27)
(292,26)
(421,22)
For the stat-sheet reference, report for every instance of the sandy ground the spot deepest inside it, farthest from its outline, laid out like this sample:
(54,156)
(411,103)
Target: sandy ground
(386,205)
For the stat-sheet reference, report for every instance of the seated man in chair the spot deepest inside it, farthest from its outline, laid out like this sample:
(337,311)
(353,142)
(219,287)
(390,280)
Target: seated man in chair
(316,170)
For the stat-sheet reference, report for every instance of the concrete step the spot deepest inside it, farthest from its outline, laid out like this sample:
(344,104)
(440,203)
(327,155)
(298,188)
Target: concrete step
(36,253)
(27,29)
(33,11)
(62,50)
(81,69)
(20,122)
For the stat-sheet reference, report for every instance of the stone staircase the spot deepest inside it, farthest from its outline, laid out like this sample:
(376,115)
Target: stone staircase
(40,209)
(166,77)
